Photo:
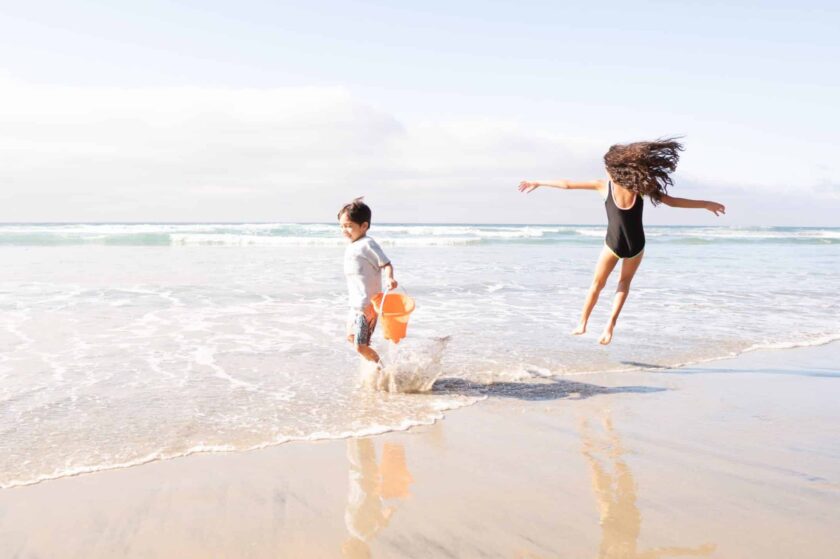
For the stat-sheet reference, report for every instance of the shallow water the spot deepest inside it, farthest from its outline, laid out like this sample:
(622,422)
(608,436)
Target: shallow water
(121,344)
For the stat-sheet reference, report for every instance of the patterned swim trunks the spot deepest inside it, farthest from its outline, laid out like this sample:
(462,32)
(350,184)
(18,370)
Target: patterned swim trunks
(360,326)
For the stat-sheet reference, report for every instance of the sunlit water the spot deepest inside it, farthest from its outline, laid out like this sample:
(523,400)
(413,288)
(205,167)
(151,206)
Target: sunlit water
(121,344)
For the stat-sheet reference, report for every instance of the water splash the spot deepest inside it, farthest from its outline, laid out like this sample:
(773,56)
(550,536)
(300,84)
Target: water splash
(406,370)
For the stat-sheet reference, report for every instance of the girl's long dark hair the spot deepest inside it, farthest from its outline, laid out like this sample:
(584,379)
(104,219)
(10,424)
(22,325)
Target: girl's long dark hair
(644,167)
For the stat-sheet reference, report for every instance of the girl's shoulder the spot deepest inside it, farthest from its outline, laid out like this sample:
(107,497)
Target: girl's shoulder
(603,187)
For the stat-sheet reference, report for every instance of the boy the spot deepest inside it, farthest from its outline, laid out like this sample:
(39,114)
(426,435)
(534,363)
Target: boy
(364,262)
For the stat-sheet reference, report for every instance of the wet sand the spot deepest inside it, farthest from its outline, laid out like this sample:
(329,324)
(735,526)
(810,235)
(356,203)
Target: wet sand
(731,459)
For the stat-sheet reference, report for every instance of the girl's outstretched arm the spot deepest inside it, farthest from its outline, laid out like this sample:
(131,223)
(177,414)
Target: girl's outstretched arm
(530,186)
(713,207)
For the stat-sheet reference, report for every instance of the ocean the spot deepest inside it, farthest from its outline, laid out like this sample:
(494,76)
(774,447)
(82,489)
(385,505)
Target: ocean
(122,344)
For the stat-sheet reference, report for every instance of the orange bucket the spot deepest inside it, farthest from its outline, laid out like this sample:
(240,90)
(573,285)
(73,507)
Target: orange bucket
(393,312)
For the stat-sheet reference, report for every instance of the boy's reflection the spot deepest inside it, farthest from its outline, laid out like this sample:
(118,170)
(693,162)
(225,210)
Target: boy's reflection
(370,485)
(615,492)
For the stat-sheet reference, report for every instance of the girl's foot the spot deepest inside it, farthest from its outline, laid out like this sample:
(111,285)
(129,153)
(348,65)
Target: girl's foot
(581,329)
(606,337)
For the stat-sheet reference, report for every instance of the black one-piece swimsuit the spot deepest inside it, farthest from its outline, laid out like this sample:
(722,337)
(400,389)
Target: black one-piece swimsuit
(625,233)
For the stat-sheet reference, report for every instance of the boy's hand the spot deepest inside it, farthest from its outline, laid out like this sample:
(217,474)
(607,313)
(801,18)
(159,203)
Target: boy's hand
(392,283)
(716,208)
(528,186)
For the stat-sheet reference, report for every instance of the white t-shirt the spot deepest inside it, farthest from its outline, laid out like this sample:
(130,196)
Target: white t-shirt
(363,262)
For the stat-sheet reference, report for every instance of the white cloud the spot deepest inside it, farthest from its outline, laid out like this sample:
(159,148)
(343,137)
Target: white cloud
(290,154)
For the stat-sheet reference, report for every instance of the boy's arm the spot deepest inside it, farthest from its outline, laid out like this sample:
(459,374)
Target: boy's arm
(530,186)
(377,257)
(389,275)
(713,207)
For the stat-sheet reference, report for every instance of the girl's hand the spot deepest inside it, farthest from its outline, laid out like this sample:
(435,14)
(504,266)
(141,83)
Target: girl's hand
(716,208)
(527,186)
(392,283)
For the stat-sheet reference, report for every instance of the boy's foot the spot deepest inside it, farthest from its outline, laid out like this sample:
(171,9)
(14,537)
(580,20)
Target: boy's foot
(581,329)
(606,337)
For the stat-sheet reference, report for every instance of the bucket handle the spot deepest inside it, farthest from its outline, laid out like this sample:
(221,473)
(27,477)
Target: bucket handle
(385,294)
(382,302)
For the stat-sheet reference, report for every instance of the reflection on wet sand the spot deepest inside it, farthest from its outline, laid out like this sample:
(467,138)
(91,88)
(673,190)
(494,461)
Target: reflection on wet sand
(615,492)
(370,485)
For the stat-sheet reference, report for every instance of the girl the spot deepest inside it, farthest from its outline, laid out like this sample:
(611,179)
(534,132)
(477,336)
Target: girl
(633,171)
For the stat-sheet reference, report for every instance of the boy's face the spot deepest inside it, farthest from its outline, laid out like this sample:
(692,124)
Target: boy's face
(351,229)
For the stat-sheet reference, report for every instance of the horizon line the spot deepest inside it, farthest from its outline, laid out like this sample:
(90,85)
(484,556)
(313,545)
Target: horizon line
(419,223)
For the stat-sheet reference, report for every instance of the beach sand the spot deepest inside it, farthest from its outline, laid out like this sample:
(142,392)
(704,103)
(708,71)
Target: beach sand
(729,459)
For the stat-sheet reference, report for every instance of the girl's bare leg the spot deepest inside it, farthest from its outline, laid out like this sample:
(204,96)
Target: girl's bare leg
(628,270)
(603,269)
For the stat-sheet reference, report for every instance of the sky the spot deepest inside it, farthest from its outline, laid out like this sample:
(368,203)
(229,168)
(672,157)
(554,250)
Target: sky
(282,111)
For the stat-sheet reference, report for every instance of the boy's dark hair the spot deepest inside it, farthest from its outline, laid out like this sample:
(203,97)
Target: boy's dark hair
(357,211)
(644,167)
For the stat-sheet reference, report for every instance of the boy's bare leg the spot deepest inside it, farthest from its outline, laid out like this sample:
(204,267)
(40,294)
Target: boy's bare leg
(368,353)
(603,269)
(628,270)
